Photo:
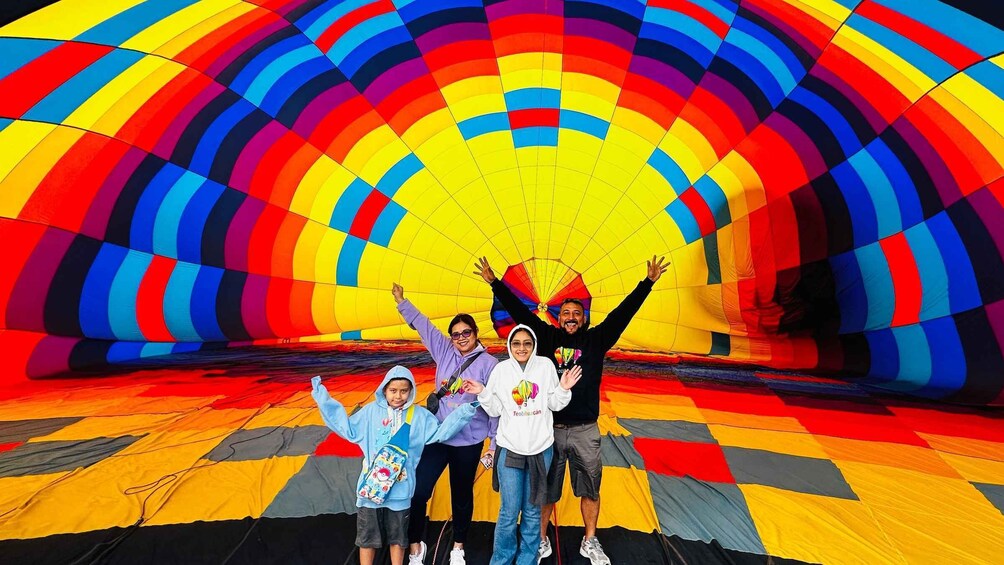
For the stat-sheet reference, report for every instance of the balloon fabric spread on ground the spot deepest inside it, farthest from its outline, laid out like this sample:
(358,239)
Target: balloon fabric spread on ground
(213,180)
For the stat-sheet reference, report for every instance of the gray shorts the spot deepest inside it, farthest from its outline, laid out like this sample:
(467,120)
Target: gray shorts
(375,526)
(579,445)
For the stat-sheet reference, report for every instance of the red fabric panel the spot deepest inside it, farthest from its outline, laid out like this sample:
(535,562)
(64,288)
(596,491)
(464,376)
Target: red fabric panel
(9,446)
(267,170)
(343,24)
(366,120)
(775,160)
(405,107)
(953,52)
(534,117)
(16,349)
(150,300)
(29,84)
(368,213)
(695,11)
(285,245)
(301,299)
(650,99)
(971,165)
(263,240)
(853,420)
(527,33)
(905,279)
(699,208)
(277,306)
(27,235)
(702,461)
(337,446)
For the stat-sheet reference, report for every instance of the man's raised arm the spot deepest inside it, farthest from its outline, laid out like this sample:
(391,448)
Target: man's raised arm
(519,312)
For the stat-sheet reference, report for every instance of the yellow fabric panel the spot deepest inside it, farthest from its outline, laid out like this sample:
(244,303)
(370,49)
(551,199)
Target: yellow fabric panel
(322,307)
(375,154)
(607,422)
(16,494)
(690,340)
(628,147)
(109,426)
(977,103)
(66,19)
(885,453)
(797,443)
(530,70)
(817,529)
(829,12)
(732,187)
(436,128)
(108,109)
(750,189)
(326,261)
(229,490)
(735,419)
(305,252)
(176,24)
(691,266)
(218,15)
(654,407)
(588,94)
(913,511)
(69,403)
(977,470)
(701,307)
(698,144)
(156,404)
(22,167)
(474,96)
(495,155)
(421,195)
(906,78)
(963,446)
(319,189)
(919,493)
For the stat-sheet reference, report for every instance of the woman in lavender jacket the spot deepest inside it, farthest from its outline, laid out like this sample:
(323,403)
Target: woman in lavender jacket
(464,451)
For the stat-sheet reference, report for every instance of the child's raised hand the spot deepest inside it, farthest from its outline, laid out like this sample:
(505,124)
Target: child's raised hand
(570,377)
(473,387)
(315,382)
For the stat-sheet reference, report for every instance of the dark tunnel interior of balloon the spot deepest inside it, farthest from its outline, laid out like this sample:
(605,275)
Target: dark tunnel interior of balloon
(761,242)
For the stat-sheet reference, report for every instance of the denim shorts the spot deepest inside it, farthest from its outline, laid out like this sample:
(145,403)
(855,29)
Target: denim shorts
(376,527)
(579,446)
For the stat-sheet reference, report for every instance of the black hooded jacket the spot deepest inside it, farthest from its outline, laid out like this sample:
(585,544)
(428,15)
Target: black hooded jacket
(586,348)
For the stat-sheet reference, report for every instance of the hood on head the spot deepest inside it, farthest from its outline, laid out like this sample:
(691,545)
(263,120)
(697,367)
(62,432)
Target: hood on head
(508,340)
(396,372)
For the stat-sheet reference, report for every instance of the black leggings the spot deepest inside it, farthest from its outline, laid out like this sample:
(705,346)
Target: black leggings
(463,462)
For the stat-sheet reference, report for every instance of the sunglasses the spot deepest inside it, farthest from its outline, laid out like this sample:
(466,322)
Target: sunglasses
(459,335)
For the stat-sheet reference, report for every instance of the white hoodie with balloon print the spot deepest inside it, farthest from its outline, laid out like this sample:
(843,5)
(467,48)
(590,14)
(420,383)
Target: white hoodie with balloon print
(523,399)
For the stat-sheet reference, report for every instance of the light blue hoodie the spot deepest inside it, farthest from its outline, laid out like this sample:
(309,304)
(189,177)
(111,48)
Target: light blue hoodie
(372,426)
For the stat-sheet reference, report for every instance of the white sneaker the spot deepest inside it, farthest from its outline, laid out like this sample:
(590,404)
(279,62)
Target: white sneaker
(544,550)
(419,557)
(592,550)
(457,557)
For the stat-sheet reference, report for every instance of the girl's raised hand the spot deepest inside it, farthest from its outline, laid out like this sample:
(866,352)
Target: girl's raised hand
(570,377)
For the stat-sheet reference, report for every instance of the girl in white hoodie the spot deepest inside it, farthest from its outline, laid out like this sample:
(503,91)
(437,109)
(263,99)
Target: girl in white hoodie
(522,391)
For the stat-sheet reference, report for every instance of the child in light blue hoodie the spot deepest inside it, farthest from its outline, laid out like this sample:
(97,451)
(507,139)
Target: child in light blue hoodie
(383,499)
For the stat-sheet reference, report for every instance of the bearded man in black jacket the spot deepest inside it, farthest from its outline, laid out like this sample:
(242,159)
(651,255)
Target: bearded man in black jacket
(576,434)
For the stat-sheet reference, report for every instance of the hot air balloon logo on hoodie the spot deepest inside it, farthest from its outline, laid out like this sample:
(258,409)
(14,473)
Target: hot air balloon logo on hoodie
(524,392)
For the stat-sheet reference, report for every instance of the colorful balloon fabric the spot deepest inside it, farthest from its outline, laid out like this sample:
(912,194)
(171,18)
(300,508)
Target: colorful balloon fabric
(824,175)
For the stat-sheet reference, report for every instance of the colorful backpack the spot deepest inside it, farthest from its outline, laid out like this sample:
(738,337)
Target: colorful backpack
(388,466)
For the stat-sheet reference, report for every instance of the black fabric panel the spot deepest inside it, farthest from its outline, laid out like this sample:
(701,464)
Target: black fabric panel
(745,85)
(862,129)
(930,199)
(306,94)
(721,344)
(807,294)
(330,538)
(228,74)
(984,362)
(10,11)
(195,129)
(711,258)
(671,56)
(214,237)
(382,62)
(816,129)
(88,353)
(228,306)
(304,9)
(234,142)
(857,354)
(839,230)
(987,264)
(601,13)
(61,315)
(120,222)
(804,58)
(810,218)
(429,22)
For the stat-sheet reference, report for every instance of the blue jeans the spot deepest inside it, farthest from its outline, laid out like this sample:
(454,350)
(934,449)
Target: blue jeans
(514,488)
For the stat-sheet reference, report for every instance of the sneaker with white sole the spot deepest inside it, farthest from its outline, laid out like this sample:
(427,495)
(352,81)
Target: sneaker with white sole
(544,550)
(419,557)
(457,557)
(592,550)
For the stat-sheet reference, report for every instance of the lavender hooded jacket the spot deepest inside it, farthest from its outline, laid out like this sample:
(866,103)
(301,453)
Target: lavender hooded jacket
(448,359)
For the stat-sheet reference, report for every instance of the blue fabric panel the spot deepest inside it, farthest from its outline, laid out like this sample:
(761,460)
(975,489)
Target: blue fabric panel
(877,280)
(669,170)
(851,293)
(478,125)
(318,20)
(348,205)
(963,292)
(145,214)
(684,220)
(884,354)
(167,227)
(914,357)
(289,83)
(830,116)
(203,304)
(527,98)
(864,222)
(276,68)
(212,139)
(933,276)
(19,51)
(535,136)
(193,221)
(882,195)
(122,303)
(94,295)
(585,123)
(399,174)
(347,270)
(928,63)
(178,301)
(715,198)
(386,223)
(65,99)
(972,32)
(948,359)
